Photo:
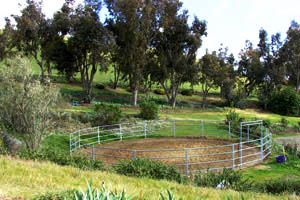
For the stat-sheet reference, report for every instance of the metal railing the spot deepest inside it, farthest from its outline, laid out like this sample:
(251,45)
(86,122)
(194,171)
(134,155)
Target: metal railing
(240,153)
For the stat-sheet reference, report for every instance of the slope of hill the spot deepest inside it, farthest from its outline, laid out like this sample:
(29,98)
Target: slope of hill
(29,179)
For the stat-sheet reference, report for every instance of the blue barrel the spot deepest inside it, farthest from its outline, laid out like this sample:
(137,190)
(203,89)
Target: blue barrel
(280,159)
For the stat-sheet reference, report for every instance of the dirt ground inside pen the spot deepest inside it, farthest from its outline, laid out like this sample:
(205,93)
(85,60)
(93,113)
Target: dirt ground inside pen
(171,151)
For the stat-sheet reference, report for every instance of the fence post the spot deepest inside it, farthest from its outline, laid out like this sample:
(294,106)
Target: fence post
(98,135)
(186,161)
(241,132)
(270,136)
(174,128)
(121,138)
(261,149)
(202,128)
(79,138)
(145,128)
(241,155)
(134,155)
(248,132)
(93,152)
(233,159)
(229,129)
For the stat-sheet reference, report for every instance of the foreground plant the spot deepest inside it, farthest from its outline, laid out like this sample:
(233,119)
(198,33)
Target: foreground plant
(25,102)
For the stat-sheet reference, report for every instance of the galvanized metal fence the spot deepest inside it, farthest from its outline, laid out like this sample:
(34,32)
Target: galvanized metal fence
(249,143)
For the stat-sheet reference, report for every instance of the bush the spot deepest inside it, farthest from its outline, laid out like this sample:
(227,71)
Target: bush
(82,117)
(100,86)
(65,195)
(267,123)
(234,118)
(280,186)
(149,168)
(149,110)
(284,102)
(284,122)
(48,154)
(25,103)
(106,114)
(159,92)
(227,179)
(187,92)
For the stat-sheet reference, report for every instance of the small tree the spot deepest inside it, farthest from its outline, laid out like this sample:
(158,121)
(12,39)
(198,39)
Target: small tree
(25,103)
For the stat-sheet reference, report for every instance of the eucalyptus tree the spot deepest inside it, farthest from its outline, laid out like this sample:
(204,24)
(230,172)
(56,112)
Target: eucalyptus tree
(290,52)
(29,33)
(89,42)
(209,66)
(175,47)
(130,22)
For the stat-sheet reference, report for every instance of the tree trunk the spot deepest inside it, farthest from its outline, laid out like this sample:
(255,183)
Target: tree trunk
(49,70)
(116,77)
(134,97)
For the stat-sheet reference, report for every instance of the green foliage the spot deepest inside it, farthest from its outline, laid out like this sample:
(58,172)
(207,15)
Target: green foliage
(65,195)
(102,194)
(234,118)
(187,92)
(149,168)
(284,102)
(100,86)
(159,91)
(284,122)
(25,103)
(227,179)
(57,157)
(267,123)
(279,186)
(149,110)
(107,114)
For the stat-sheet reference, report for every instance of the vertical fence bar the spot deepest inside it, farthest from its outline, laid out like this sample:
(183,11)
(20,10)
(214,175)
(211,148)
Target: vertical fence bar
(270,136)
(229,129)
(248,132)
(79,139)
(174,128)
(186,161)
(145,128)
(93,152)
(202,128)
(241,132)
(241,155)
(261,149)
(134,155)
(120,133)
(98,135)
(233,159)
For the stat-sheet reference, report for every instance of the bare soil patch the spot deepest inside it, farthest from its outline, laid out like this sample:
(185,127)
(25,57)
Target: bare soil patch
(207,152)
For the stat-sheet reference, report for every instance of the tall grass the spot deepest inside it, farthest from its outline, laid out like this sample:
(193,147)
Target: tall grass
(29,179)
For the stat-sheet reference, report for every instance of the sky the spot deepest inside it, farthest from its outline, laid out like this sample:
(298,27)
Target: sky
(229,22)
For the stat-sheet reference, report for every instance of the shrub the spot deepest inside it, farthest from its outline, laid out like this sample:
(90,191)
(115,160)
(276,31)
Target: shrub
(187,92)
(65,195)
(280,186)
(284,102)
(149,110)
(227,179)
(159,91)
(106,114)
(48,154)
(234,118)
(267,123)
(82,117)
(25,103)
(149,168)
(284,122)
(100,86)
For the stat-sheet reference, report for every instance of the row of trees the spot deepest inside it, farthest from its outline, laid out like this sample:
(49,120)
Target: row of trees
(142,39)
(148,41)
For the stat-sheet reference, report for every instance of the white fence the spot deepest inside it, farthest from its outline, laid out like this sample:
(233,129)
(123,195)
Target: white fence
(247,146)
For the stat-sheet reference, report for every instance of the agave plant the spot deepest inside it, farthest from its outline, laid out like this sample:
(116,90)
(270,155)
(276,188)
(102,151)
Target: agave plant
(102,194)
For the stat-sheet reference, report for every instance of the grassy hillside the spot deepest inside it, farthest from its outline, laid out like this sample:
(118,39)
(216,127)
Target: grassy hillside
(28,179)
